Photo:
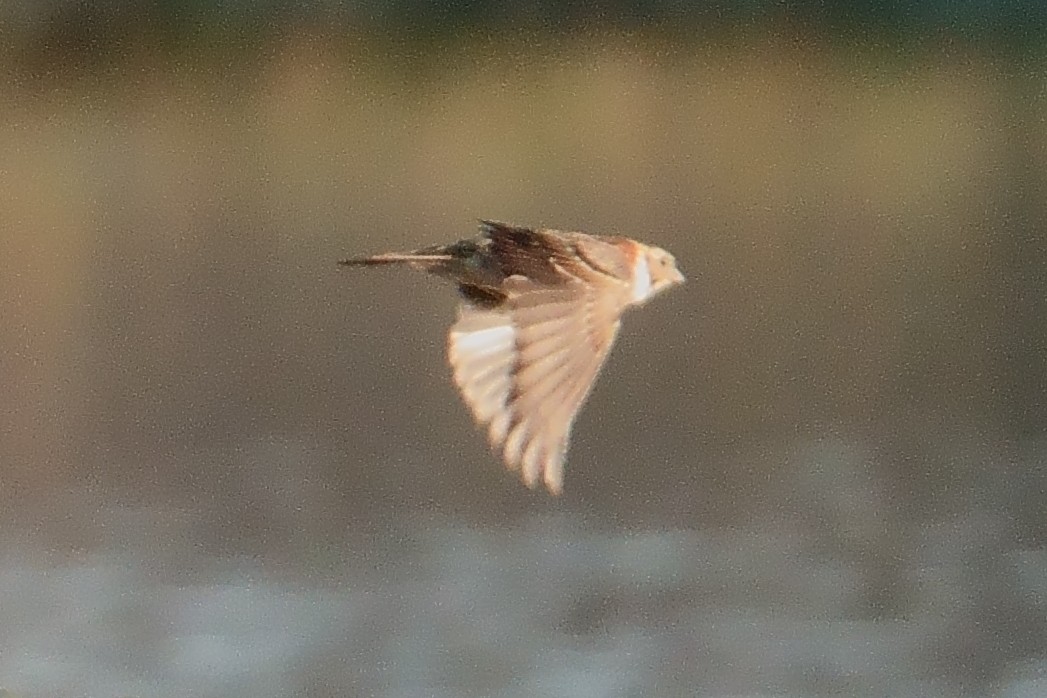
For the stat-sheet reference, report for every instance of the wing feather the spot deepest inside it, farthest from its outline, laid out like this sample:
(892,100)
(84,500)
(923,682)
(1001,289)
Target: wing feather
(526,366)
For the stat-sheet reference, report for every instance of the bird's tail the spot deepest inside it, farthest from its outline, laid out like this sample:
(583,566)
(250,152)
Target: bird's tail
(377,260)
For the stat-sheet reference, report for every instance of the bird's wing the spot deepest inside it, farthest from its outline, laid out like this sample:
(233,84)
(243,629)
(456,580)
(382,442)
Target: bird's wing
(547,255)
(534,254)
(526,366)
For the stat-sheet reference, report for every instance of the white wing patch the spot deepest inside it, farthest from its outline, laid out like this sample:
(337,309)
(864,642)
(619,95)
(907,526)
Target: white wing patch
(484,342)
(482,350)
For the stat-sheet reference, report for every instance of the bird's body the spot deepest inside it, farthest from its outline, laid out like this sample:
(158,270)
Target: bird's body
(540,311)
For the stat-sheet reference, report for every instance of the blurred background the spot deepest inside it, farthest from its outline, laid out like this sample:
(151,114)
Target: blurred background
(230,468)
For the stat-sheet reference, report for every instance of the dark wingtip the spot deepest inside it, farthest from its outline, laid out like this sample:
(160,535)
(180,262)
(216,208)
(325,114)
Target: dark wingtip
(491,228)
(488,225)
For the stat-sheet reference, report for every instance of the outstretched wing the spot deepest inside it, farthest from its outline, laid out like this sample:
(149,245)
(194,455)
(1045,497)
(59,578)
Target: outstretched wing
(526,367)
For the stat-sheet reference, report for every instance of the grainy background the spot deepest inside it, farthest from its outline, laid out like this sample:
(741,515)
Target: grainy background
(229,468)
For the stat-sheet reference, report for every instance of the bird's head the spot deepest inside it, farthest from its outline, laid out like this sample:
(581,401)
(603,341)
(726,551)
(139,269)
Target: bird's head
(659,268)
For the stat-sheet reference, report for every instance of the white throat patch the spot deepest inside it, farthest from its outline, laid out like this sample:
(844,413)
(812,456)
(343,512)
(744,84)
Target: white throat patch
(641,279)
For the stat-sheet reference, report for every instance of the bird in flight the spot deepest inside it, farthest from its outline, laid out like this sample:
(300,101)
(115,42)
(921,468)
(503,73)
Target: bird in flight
(540,311)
